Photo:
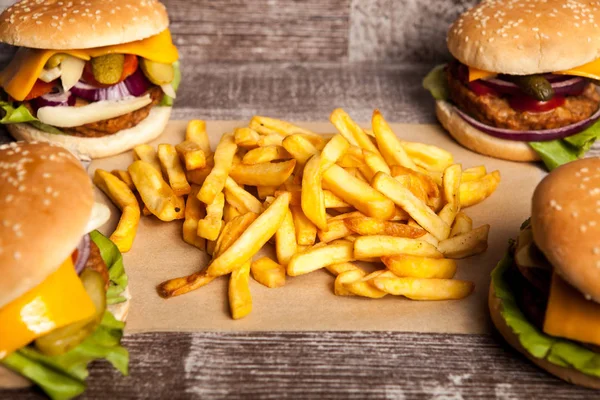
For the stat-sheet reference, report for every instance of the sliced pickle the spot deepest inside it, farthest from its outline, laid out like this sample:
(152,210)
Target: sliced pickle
(158,73)
(535,86)
(108,69)
(55,60)
(68,337)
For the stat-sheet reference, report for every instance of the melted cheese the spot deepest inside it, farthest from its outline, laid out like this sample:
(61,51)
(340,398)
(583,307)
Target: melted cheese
(569,315)
(58,301)
(590,70)
(20,75)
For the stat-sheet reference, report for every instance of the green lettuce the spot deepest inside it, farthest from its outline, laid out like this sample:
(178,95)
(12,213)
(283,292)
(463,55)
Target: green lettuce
(63,376)
(553,153)
(561,352)
(21,114)
(166,100)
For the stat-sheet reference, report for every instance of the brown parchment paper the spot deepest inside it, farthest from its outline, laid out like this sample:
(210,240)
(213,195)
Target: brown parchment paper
(307,302)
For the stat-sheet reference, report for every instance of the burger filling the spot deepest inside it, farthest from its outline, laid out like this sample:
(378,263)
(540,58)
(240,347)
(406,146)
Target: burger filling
(90,92)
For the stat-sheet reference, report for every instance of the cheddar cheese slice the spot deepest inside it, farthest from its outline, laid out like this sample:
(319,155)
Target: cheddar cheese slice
(590,70)
(20,75)
(569,315)
(58,301)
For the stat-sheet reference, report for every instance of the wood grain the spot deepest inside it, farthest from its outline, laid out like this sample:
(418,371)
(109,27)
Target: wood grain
(331,365)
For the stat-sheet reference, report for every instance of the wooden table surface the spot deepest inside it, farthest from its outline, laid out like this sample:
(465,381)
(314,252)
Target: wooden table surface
(298,60)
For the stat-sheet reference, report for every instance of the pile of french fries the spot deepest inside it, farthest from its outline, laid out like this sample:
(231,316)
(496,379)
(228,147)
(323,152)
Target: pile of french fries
(325,201)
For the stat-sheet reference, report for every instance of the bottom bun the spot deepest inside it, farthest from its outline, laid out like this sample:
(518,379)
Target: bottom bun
(12,380)
(150,128)
(481,142)
(568,374)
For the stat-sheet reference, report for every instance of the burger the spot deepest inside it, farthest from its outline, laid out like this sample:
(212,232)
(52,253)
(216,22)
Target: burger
(522,84)
(63,292)
(545,293)
(98,77)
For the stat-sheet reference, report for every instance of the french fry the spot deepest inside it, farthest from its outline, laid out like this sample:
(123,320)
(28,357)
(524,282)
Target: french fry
(451,184)
(313,200)
(232,231)
(466,244)
(476,191)
(335,230)
(171,164)
(246,138)
(412,205)
(412,184)
(194,211)
(122,197)
(270,140)
(389,145)
(240,299)
(191,155)
(366,226)
(417,179)
(264,191)
(285,240)
(240,198)
(358,194)
(253,239)
(229,212)
(366,247)
(420,267)
(198,176)
(268,273)
(210,226)
(146,153)
(353,133)
(272,125)
(215,181)
(265,154)
(336,269)
(320,256)
(375,162)
(431,158)
(196,132)
(333,201)
(344,278)
(473,173)
(350,161)
(210,248)
(341,217)
(266,174)
(145,211)
(333,151)
(425,289)
(178,286)
(462,224)
(363,288)
(156,194)
(300,148)
(306,231)
(125,177)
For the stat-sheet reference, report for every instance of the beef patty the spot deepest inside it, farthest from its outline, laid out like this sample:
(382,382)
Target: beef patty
(495,111)
(114,125)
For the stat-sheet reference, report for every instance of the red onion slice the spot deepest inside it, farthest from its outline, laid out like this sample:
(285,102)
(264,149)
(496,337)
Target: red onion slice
(55,99)
(83,253)
(531,136)
(135,85)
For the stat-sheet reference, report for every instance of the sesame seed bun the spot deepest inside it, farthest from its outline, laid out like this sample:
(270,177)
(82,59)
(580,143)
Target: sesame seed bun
(66,24)
(527,37)
(46,200)
(565,219)
(568,374)
(150,128)
(480,142)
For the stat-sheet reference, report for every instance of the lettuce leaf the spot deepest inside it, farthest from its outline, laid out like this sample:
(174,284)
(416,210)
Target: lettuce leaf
(63,376)
(437,83)
(553,153)
(166,100)
(21,114)
(561,352)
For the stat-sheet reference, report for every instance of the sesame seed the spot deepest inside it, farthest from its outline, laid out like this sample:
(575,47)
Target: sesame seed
(583,228)
(596,250)
(17,255)
(585,170)
(592,223)
(46,202)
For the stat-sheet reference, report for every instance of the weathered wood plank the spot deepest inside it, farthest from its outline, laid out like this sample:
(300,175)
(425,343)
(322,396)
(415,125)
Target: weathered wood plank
(330,365)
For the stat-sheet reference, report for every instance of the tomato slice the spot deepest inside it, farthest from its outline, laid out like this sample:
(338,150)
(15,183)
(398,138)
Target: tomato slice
(529,104)
(40,88)
(130,65)
(481,89)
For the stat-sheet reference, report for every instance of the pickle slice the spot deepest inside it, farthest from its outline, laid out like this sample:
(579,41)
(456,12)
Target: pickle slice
(55,60)
(535,86)
(158,73)
(68,337)
(108,69)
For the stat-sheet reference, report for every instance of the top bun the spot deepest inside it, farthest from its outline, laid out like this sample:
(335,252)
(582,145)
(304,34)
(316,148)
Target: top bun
(521,37)
(81,24)
(46,200)
(565,219)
